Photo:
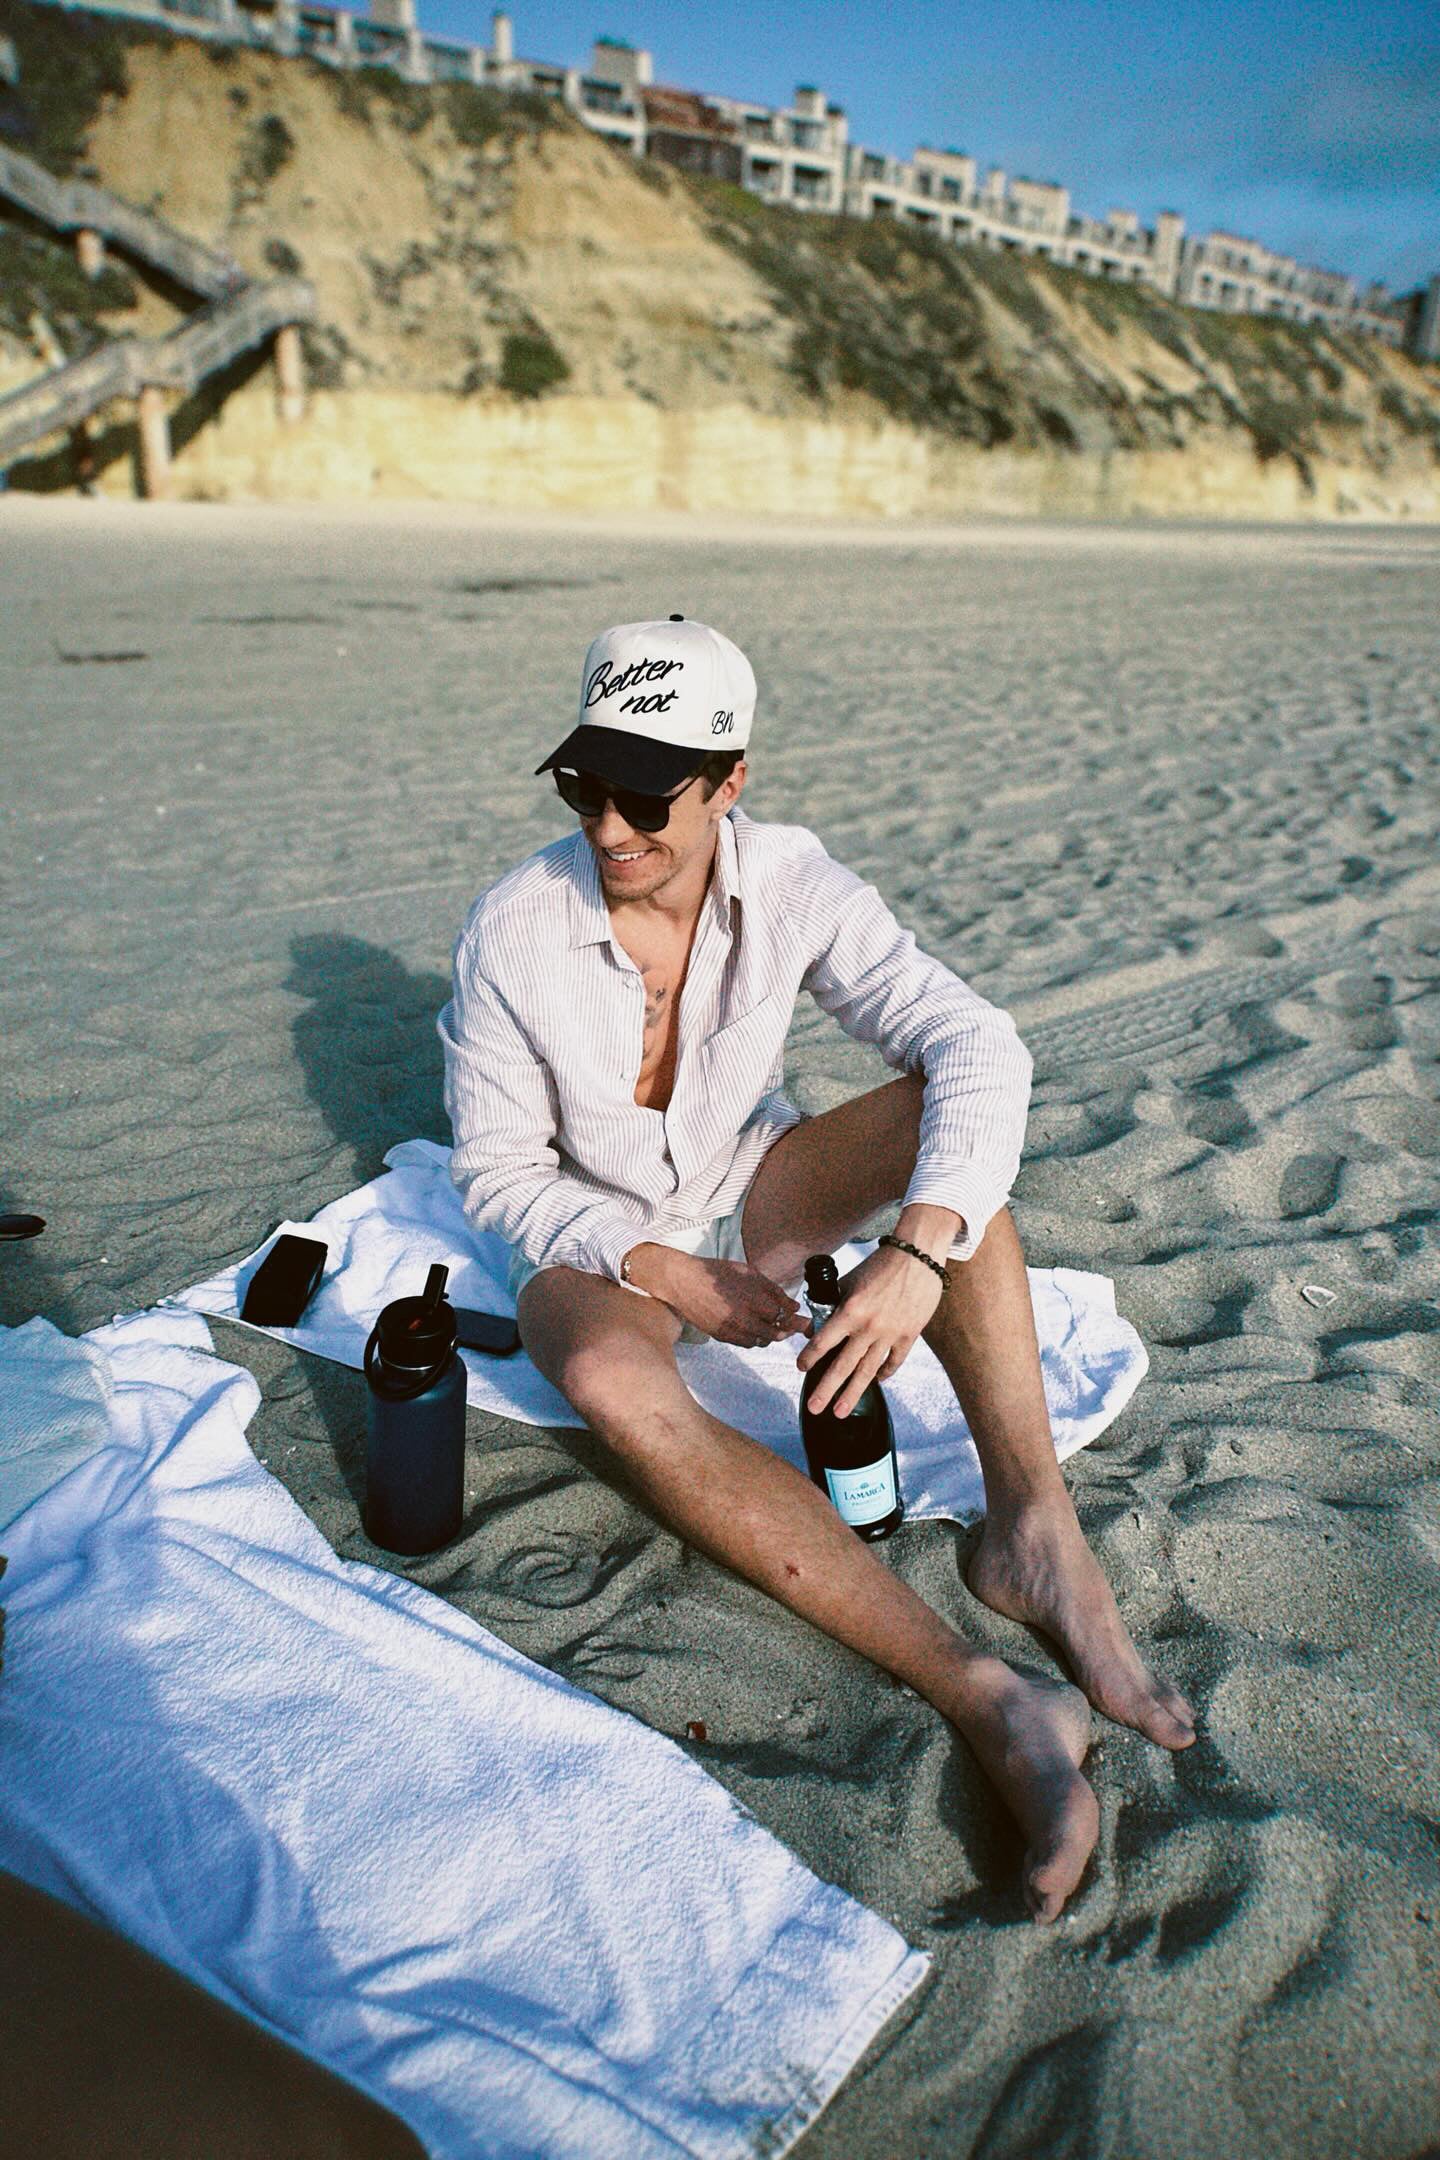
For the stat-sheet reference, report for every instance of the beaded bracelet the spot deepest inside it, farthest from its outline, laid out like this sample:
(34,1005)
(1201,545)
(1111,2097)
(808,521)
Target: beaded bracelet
(915,1254)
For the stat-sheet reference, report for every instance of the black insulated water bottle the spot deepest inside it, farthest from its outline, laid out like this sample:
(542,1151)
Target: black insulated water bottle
(852,1459)
(415,1424)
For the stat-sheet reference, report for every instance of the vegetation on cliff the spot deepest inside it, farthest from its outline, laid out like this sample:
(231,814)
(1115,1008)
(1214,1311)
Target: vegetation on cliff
(47,113)
(68,66)
(998,349)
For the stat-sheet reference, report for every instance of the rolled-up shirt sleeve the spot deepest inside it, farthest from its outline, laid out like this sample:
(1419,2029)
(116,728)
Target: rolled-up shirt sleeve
(504,1116)
(871,975)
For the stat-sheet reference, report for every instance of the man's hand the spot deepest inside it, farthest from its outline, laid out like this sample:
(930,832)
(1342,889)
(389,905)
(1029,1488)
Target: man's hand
(890,1301)
(735,1304)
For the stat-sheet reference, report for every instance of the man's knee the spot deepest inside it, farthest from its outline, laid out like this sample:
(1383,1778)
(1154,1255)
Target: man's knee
(600,1375)
(605,1358)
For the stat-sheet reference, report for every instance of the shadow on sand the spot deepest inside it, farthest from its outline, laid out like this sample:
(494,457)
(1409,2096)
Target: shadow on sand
(29,1285)
(367,1045)
(372,1062)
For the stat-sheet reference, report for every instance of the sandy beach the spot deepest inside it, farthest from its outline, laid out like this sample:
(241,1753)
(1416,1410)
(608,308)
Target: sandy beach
(1169,795)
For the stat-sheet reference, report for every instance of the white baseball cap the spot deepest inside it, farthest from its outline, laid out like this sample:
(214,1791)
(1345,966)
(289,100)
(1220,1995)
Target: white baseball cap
(657,699)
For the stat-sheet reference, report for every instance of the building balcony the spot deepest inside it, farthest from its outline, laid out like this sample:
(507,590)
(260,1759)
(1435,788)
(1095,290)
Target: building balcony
(377,42)
(607,98)
(204,11)
(449,63)
(813,190)
(315,30)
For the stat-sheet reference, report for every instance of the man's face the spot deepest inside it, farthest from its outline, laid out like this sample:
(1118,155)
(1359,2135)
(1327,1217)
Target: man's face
(635,865)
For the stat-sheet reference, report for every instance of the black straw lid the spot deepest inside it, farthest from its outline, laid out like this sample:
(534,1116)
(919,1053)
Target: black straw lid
(417,1332)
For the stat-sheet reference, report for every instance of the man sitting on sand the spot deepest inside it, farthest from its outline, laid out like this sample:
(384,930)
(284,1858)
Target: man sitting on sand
(614,1060)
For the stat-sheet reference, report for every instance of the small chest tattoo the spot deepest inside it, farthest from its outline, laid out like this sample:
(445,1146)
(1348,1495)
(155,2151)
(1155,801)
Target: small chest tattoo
(661,1036)
(659,1001)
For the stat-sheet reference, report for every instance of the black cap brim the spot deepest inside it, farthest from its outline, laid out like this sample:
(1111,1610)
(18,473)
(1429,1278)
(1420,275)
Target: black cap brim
(632,761)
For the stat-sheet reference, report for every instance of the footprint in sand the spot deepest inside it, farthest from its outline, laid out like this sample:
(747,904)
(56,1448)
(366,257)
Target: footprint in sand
(1309,1185)
(1217,1118)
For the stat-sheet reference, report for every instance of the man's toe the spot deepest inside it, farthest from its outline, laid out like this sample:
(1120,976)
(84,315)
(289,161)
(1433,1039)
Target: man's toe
(1166,1717)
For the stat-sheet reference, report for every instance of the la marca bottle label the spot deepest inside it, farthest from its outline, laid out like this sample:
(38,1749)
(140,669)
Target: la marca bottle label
(863,1496)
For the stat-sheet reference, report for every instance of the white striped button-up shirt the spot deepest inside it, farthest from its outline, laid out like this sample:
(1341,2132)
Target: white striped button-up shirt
(544,1036)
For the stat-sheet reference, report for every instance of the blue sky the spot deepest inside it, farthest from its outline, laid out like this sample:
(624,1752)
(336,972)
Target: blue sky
(1315,126)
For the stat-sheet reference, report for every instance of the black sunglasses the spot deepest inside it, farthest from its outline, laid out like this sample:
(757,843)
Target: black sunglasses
(587,794)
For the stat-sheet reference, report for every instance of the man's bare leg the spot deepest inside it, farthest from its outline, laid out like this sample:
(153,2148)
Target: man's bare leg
(816,1184)
(1032,1562)
(612,1355)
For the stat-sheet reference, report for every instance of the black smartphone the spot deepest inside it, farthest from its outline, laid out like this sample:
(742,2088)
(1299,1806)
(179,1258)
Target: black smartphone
(487,1331)
(285,1281)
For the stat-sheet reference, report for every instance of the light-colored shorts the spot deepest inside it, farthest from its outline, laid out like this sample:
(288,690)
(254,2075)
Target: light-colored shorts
(717,1240)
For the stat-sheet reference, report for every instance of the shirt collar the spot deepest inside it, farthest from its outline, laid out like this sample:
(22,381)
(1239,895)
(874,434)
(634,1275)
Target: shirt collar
(725,880)
(589,916)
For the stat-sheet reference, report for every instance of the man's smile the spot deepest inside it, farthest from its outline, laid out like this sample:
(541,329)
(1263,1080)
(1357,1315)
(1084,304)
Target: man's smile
(620,857)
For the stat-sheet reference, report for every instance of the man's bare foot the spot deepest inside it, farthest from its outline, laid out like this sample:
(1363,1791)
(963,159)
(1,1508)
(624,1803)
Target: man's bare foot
(1035,1566)
(1030,1736)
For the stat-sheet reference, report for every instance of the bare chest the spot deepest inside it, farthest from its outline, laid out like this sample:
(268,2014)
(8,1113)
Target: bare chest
(663,973)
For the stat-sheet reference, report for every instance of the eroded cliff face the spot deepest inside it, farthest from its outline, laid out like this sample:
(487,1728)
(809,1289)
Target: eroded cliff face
(510,310)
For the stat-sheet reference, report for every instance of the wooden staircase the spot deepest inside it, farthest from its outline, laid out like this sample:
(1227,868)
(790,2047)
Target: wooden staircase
(235,315)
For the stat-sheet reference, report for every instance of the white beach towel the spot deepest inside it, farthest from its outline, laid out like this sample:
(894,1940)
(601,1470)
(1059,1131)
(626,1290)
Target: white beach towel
(528,1924)
(384,1236)
(54,1410)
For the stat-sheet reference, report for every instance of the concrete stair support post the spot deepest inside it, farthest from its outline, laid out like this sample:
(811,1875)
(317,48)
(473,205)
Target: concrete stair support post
(289,374)
(154,443)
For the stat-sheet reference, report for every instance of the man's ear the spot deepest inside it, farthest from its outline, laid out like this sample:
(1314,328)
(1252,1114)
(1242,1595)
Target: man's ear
(731,789)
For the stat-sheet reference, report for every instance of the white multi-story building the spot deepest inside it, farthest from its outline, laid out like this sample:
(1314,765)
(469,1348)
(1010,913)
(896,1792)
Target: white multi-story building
(793,154)
(943,192)
(1224,270)
(801,155)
